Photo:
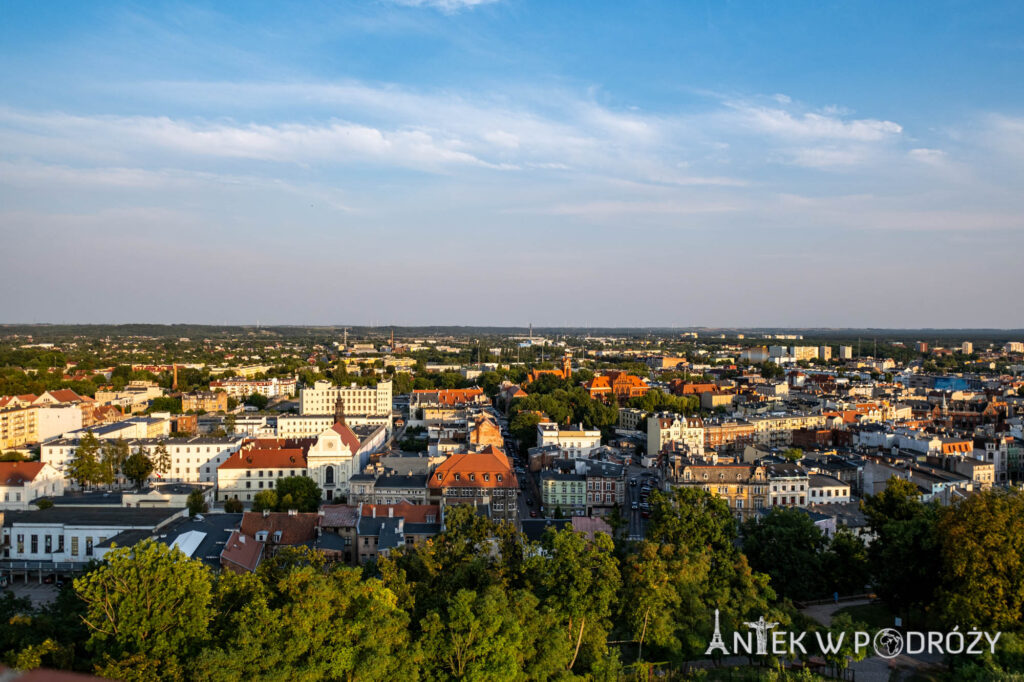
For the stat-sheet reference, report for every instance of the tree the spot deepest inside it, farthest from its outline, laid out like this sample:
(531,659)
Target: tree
(165,404)
(84,466)
(257,400)
(845,564)
(113,455)
(161,459)
(905,551)
(793,454)
(230,421)
(265,500)
(647,597)
(147,609)
(983,561)
(137,468)
(844,626)
(302,493)
(787,546)
(579,582)
(197,503)
(770,370)
(524,427)
(43,503)
(233,506)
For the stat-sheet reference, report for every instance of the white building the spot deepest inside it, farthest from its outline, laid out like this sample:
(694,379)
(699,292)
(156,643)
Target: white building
(575,443)
(312,425)
(846,352)
(666,427)
(240,388)
(788,484)
(70,535)
(341,452)
(55,421)
(825,489)
(322,398)
(23,482)
(193,460)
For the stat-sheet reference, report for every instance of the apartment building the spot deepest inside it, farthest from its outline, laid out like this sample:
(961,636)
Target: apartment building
(204,401)
(311,425)
(23,482)
(743,486)
(574,442)
(666,427)
(788,483)
(564,491)
(478,478)
(237,387)
(258,465)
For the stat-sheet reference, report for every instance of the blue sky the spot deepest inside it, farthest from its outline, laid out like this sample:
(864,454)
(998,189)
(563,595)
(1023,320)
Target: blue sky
(506,161)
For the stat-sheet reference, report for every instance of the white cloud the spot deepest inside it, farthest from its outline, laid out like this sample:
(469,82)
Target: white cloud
(448,6)
(810,125)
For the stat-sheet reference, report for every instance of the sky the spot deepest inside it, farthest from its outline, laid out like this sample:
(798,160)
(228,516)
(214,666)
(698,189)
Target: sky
(501,162)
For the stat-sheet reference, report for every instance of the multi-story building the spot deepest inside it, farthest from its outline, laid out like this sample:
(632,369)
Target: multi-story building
(204,401)
(341,452)
(995,451)
(966,347)
(1014,347)
(825,353)
(632,418)
(438,406)
(846,352)
(565,492)
(666,427)
(237,387)
(23,482)
(777,430)
(575,442)
(132,399)
(192,460)
(606,485)
(310,425)
(728,433)
(622,385)
(323,397)
(478,478)
(19,426)
(788,484)
(743,486)
(258,464)
(826,489)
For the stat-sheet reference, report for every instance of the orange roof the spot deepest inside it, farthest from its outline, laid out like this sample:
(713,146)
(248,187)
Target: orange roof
(242,552)
(474,470)
(259,458)
(19,473)
(348,437)
(66,395)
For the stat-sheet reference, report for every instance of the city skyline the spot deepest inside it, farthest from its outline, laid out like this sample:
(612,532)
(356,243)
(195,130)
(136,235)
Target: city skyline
(655,165)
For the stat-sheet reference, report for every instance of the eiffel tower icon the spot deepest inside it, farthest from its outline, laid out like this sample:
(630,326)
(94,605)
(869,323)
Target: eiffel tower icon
(716,640)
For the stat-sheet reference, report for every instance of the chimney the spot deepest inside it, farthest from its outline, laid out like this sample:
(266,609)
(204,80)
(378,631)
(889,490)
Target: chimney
(292,512)
(373,511)
(266,513)
(391,512)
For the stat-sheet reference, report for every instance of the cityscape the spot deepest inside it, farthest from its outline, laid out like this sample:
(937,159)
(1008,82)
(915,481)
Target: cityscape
(512,340)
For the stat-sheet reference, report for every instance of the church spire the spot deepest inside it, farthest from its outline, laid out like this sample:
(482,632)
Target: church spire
(339,411)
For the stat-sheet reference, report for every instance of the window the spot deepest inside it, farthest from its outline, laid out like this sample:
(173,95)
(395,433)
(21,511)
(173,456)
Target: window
(248,484)
(74,545)
(48,544)
(60,543)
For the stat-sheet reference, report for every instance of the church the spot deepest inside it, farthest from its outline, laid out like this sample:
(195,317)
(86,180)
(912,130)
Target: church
(341,452)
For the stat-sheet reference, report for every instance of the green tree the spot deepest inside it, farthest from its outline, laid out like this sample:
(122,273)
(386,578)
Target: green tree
(843,628)
(787,546)
(230,420)
(233,506)
(845,566)
(524,427)
(113,455)
(197,503)
(147,610)
(578,582)
(793,454)
(905,551)
(265,500)
(84,466)
(298,492)
(257,400)
(982,553)
(648,599)
(137,468)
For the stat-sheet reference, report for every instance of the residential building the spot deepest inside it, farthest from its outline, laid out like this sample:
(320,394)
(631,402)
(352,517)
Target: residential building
(237,387)
(19,426)
(967,348)
(575,442)
(564,372)
(824,489)
(383,527)
(825,353)
(788,483)
(845,352)
(310,425)
(1014,347)
(565,492)
(622,385)
(478,478)
(731,433)
(632,419)
(666,427)
(743,486)
(21,483)
(204,401)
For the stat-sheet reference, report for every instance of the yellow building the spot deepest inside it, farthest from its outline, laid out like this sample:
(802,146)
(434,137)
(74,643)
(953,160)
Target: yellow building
(19,426)
(743,486)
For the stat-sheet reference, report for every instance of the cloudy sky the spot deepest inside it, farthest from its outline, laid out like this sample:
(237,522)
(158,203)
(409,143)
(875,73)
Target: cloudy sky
(506,161)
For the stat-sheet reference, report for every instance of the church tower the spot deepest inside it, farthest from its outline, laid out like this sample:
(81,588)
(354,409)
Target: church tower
(567,365)
(339,411)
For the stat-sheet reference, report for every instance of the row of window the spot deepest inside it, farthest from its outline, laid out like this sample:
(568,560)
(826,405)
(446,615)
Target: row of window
(54,544)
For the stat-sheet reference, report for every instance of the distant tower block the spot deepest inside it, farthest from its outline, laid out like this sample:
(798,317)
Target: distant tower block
(567,365)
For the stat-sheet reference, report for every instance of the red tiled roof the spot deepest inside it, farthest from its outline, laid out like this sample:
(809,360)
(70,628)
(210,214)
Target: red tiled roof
(339,515)
(348,436)
(260,458)
(295,528)
(19,473)
(490,461)
(242,552)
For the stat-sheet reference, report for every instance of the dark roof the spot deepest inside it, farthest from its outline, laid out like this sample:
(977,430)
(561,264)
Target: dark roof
(95,498)
(396,481)
(534,529)
(124,517)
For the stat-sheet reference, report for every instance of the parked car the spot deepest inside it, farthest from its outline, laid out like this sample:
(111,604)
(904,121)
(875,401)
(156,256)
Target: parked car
(533,513)
(635,505)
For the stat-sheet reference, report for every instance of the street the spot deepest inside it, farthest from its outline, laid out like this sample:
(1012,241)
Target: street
(637,528)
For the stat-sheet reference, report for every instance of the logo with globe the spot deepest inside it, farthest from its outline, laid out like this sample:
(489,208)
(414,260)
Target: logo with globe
(888,643)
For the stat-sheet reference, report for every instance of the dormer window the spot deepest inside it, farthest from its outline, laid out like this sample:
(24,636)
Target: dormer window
(499,477)
(261,536)
(440,477)
(458,477)
(472,477)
